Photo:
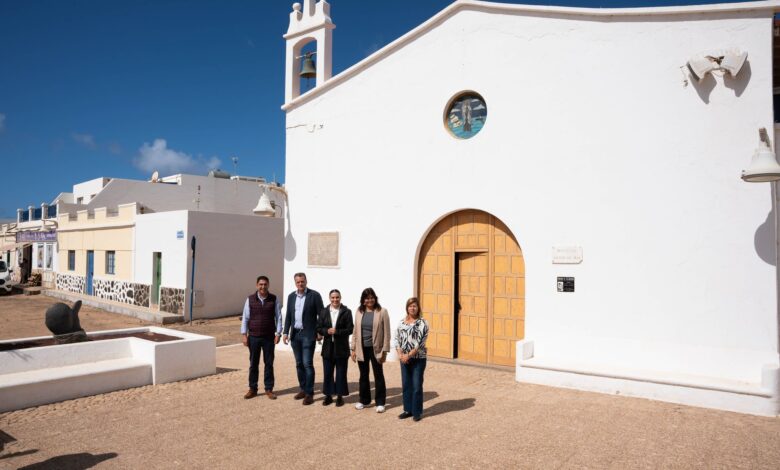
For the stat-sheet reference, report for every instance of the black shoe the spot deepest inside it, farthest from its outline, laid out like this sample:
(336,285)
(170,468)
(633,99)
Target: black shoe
(416,418)
(327,401)
(405,415)
(339,401)
(308,400)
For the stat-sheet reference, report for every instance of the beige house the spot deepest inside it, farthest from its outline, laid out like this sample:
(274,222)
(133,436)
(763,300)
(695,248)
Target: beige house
(94,246)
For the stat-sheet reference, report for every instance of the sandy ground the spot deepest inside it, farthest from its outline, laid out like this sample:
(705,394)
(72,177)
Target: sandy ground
(473,416)
(24,316)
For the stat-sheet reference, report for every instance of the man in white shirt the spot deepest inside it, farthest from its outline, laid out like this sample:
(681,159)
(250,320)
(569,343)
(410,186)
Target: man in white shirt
(300,329)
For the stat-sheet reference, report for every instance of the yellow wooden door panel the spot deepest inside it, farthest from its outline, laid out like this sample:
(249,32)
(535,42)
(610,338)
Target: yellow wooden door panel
(435,287)
(491,286)
(472,300)
(508,312)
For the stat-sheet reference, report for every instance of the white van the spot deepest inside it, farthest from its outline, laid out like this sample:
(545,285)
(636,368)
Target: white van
(5,277)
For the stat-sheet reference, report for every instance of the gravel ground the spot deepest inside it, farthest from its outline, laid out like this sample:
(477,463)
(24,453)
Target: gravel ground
(23,316)
(473,417)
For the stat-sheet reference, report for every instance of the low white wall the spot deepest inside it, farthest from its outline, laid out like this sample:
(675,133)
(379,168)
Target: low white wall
(192,356)
(48,374)
(232,250)
(60,355)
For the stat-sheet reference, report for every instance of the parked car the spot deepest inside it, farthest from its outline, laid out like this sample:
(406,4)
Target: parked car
(5,277)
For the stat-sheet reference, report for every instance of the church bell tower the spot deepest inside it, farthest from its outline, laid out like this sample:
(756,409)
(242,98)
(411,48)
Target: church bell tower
(308,23)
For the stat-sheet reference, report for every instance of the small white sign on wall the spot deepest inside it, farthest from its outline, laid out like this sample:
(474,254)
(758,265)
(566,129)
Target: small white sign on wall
(567,254)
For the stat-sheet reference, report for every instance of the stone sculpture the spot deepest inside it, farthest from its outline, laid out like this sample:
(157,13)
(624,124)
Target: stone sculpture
(63,322)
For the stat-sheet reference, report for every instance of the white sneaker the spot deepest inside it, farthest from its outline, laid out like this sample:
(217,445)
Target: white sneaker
(380,409)
(359,406)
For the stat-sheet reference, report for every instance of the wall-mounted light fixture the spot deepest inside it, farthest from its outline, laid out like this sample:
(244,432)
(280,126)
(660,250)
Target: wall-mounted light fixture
(729,61)
(763,167)
(265,207)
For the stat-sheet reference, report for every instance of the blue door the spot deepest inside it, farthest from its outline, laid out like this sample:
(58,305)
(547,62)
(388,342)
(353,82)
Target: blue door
(90,270)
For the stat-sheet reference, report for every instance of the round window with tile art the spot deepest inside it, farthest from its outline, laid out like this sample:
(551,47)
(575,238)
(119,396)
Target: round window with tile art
(466,115)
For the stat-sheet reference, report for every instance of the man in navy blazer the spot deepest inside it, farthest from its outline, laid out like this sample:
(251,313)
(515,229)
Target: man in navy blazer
(300,328)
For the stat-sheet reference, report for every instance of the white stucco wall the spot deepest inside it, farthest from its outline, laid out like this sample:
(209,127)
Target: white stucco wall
(157,232)
(591,140)
(232,250)
(87,189)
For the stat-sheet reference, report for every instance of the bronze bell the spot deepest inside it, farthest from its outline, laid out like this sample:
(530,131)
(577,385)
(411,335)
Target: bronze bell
(307,67)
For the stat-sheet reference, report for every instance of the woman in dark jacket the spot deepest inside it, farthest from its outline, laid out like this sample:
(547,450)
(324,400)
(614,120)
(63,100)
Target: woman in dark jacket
(335,325)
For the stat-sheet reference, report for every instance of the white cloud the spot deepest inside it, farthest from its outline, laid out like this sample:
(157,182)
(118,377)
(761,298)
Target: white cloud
(157,156)
(87,140)
(2,122)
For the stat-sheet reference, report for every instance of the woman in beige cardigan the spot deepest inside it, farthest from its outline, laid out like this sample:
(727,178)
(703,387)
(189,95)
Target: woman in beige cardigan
(370,345)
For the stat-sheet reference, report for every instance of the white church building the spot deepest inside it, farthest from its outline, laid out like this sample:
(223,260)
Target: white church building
(561,187)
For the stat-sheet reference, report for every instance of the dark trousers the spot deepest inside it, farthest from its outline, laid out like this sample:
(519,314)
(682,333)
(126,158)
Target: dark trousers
(303,349)
(379,378)
(412,385)
(258,344)
(340,386)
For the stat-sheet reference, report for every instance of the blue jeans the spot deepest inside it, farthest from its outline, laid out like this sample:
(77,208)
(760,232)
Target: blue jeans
(412,385)
(303,348)
(257,345)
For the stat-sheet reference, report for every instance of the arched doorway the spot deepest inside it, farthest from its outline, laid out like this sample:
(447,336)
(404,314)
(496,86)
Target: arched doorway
(471,281)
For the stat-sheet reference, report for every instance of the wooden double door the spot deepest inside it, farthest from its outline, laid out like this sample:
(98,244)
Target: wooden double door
(472,288)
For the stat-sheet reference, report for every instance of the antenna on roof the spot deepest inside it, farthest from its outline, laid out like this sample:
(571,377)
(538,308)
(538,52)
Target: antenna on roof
(155,177)
(235,172)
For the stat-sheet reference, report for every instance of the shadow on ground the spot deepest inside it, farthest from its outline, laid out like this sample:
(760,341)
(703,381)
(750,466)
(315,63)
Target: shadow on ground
(18,454)
(5,439)
(71,461)
(449,406)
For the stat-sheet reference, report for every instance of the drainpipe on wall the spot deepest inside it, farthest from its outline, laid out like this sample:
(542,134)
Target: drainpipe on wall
(775,202)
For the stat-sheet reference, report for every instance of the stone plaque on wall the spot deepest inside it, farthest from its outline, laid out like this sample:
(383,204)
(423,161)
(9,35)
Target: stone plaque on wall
(567,255)
(323,249)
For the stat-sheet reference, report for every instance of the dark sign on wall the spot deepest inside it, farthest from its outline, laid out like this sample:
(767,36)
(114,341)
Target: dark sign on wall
(565,284)
(36,236)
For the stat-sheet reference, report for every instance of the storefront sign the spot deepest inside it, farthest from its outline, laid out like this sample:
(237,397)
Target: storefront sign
(22,237)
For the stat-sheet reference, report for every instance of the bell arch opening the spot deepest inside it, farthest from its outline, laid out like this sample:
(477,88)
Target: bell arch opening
(304,68)
(471,284)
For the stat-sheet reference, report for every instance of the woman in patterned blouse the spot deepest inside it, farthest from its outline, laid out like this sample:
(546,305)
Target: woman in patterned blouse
(410,345)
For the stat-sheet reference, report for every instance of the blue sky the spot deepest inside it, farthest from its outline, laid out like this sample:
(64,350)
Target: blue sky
(115,88)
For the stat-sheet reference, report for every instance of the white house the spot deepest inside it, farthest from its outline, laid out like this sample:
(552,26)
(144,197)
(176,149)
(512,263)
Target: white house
(558,188)
(131,242)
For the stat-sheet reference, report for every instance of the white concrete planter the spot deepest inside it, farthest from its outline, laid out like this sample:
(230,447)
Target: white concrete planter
(48,374)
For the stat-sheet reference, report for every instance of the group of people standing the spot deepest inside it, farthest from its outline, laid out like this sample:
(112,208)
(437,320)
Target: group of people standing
(308,321)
